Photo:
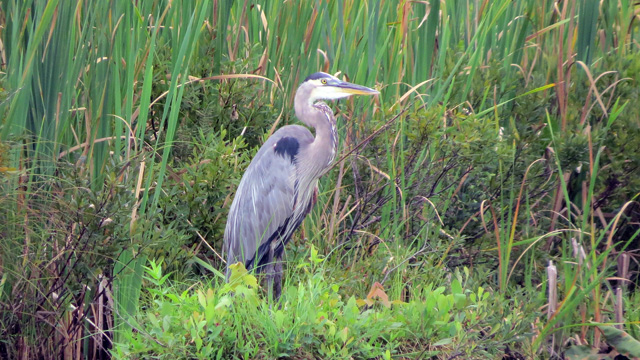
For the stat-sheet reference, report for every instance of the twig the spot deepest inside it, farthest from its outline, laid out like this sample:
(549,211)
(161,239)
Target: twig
(374,134)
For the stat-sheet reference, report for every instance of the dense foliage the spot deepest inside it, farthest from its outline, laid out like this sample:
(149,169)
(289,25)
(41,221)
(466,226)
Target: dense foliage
(486,205)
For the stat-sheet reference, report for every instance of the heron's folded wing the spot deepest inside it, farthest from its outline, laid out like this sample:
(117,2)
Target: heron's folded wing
(265,199)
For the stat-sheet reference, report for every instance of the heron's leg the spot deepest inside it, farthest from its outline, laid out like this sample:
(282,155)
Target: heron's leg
(269,273)
(277,277)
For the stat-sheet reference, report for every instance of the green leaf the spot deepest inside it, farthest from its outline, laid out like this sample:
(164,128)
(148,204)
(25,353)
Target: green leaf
(240,276)
(583,352)
(223,304)
(621,341)
(456,288)
(387,355)
(201,299)
(443,342)
(314,255)
(209,267)
(344,334)
(460,300)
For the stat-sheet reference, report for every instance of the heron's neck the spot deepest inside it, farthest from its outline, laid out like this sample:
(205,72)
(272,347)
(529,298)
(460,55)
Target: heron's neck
(325,145)
(325,123)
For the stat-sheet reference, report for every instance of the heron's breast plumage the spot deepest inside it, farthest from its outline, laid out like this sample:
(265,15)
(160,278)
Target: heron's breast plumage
(334,141)
(331,148)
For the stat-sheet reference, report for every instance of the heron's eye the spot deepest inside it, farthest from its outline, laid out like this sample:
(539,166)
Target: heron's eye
(324,81)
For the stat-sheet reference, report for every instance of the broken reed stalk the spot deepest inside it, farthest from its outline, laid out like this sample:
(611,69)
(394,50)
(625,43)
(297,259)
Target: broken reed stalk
(623,274)
(552,277)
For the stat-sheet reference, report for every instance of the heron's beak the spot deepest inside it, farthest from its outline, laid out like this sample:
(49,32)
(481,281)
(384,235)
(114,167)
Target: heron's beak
(353,89)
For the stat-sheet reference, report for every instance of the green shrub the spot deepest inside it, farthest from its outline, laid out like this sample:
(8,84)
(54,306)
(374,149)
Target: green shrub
(315,319)
(198,196)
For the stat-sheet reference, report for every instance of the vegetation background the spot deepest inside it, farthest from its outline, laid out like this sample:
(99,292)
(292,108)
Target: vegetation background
(484,206)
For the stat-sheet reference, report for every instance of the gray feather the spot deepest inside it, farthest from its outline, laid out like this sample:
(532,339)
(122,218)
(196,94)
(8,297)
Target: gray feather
(268,191)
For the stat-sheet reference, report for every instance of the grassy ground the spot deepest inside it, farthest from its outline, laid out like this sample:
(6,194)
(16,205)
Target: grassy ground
(483,206)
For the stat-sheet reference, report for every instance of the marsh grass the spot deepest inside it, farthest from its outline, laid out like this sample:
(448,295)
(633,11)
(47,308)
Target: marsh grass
(502,140)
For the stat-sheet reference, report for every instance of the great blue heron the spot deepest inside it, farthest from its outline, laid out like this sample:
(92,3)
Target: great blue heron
(280,185)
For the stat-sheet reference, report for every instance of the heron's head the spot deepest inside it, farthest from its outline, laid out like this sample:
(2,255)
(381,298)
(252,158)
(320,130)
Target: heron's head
(322,86)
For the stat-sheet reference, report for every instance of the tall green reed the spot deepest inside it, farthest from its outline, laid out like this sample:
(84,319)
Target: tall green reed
(80,77)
